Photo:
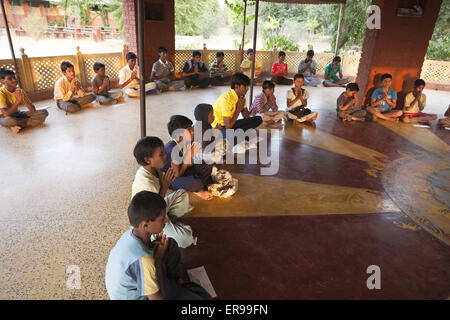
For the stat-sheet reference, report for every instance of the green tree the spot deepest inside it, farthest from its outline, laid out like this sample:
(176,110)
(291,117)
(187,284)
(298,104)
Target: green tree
(439,48)
(196,17)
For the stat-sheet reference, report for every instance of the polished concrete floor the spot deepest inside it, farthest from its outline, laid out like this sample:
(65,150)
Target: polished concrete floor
(310,231)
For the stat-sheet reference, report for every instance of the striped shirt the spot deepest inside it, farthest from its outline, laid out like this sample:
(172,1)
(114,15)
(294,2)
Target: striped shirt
(214,69)
(261,104)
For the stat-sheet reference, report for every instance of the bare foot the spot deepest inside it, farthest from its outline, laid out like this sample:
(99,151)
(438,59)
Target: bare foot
(120,99)
(15,129)
(88,105)
(269,122)
(171,89)
(392,119)
(204,195)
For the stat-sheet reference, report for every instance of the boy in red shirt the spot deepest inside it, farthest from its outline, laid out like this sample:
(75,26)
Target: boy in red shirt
(279,70)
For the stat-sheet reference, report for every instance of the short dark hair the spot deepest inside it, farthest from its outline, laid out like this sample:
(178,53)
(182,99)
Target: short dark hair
(130,56)
(310,53)
(267,84)
(178,122)
(418,83)
(162,49)
(98,65)
(65,65)
(386,76)
(249,50)
(145,148)
(337,59)
(298,75)
(145,206)
(352,86)
(281,53)
(6,72)
(220,54)
(196,53)
(239,79)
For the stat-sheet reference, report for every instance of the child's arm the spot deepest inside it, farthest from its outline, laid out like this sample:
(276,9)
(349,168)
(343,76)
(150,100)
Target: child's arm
(159,251)
(166,180)
(9,111)
(28,103)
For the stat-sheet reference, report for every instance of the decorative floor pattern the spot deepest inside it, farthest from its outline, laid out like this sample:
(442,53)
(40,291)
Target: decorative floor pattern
(308,232)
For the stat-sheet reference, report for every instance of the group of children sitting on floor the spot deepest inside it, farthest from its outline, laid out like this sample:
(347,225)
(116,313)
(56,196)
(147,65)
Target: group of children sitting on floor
(70,96)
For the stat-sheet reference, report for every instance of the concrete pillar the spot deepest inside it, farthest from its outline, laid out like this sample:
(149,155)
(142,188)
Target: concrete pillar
(398,48)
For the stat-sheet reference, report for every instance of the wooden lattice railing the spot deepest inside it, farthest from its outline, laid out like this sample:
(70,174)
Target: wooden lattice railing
(39,74)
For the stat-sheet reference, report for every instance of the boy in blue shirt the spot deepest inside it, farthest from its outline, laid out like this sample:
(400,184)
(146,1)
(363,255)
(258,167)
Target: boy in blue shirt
(141,269)
(384,100)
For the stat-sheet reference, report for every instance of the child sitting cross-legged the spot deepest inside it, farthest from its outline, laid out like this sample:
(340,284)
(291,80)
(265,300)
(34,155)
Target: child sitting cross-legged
(265,104)
(149,153)
(347,104)
(297,100)
(415,102)
(180,152)
(11,98)
(101,87)
(145,263)
(68,93)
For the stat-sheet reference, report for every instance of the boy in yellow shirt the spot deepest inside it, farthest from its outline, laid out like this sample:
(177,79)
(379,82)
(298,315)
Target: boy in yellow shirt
(246,68)
(11,98)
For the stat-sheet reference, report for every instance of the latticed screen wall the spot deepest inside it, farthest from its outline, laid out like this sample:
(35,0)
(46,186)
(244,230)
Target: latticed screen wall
(8,64)
(436,71)
(46,71)
(112,62)
(181,56)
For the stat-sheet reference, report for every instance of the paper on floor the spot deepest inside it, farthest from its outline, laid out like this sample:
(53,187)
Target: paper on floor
(200,277)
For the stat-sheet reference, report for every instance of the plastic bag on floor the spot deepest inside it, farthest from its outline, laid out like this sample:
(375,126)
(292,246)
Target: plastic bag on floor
(224,184)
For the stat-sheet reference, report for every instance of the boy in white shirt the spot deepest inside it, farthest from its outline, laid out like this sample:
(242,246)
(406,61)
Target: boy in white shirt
(129,78)
(297,100)
(415,102)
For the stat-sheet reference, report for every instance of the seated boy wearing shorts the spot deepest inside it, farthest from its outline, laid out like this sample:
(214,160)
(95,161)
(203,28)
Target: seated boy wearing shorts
(101,87)
(415,102)
(11,98)
(347,104)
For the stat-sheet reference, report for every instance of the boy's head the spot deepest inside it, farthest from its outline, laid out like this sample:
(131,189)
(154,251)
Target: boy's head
(310,54)
(68,70)
(250,54)
(336,60)
(268,87)
(149,151)
(352,89)
(147,212)
(204,112)
(240,83)
(219,56)
(131,59)
(281,56)
(8,78)
(197,56)
(180,128)
(386,80)
(419,85)
(99,69)
(299,80)
(162,53)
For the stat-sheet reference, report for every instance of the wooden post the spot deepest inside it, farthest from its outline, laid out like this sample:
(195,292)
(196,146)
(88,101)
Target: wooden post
(79,67)
(8,34)
(25,72)
(238,59)
(255,32)
(141,46)
(341,17)
(124,54)
(205,55)
(241,48)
